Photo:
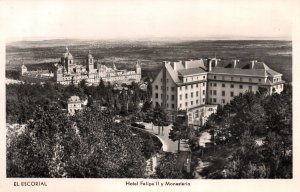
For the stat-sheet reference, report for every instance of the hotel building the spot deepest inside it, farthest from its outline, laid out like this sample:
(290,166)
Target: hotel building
(199,86)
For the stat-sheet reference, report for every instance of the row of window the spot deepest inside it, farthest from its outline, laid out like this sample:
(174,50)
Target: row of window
(161,96)
(192,95)
(241,79)
(191,103)
(231,85)
(191,79)
(223,93)
(180,88)
(172,88)
(186,87)
(276,79)
(214,100)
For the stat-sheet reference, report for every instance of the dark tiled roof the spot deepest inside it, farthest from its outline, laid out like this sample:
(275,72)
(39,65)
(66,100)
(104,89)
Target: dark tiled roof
(191,71)
(239,71)
(271,72)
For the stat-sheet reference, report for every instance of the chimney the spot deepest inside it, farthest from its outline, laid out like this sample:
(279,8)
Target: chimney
(252,64)
(185,64)
(234,63)
(209,64)
(216,61)
(174,65)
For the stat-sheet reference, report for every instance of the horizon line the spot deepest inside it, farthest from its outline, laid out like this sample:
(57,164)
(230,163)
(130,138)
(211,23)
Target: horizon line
(209,38)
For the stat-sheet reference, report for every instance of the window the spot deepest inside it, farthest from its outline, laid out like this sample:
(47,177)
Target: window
(203,92)
(167,105)
(180,97)
(180,88)
(210,92)
(231,85)
(167,97)
(204,77)
(192,94)
(173,106)
(215,77)
(250,79)
(167,88)
(167,80)
(156,86)
(223,85)
(250,88)
(156,95)
(259,80)
(197,101)
(223,101)
(215,92)
(231,78)
(241,78)
(186,95)
(197,93)
(191,103)
(215,100)
(191,86)
(231,94)
(197,85)
(203,84)
(215,84)
(186,104)
(241,86)
(161,87)
(186,87)
(223,93)
(173,88)
(210,100)
(211,84)
(203,100)
(180,105)
(172,97)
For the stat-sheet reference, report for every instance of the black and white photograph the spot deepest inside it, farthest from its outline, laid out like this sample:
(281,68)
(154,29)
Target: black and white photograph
(167,95)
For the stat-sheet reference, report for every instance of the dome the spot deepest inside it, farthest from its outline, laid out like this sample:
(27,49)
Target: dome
(70,56)
(90,56)
(67,54)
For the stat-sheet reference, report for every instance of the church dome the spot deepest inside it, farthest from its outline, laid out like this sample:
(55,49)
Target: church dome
(67,54)
(90,56)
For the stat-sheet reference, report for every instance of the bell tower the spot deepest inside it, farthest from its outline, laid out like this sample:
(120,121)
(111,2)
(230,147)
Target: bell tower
(138,69)
(90,62)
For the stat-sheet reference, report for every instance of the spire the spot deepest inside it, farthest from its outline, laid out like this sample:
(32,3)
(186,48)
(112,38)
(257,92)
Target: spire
(137,63)
(114,66)
(67,50)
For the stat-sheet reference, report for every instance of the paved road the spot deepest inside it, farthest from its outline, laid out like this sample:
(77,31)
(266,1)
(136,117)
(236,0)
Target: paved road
(168,144)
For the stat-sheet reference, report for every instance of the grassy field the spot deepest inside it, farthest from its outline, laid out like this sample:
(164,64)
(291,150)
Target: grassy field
(276,54)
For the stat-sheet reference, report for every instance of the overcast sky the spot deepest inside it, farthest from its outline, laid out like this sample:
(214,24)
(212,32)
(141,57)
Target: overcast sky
(25,20)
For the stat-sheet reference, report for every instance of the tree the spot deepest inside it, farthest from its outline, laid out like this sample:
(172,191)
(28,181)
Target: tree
(167,167)
(160,118)
(180,129)
(88,144)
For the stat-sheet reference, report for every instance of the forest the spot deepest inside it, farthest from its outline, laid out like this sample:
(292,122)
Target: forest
(251,136)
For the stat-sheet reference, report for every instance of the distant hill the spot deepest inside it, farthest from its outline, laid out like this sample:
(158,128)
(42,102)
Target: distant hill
(276,54)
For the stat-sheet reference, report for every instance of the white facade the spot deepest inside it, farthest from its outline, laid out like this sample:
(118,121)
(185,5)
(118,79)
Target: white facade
(68,72)
(74,104)
(198,86)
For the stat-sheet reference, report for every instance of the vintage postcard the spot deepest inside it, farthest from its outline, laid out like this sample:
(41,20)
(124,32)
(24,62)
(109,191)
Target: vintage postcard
(149,95)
